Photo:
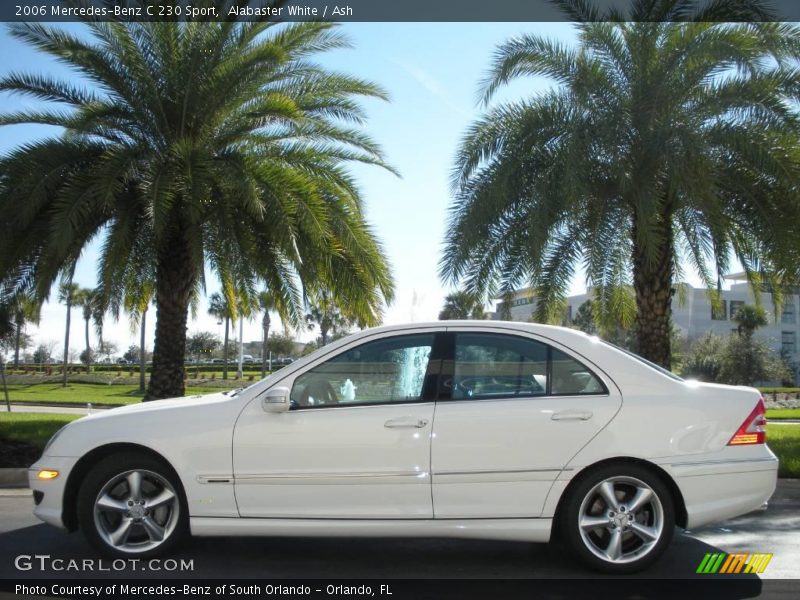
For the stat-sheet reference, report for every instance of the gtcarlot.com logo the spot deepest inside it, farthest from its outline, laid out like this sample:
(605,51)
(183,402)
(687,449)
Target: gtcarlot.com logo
(45,562)
(734,563)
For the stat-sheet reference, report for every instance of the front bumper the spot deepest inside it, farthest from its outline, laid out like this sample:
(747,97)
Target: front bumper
(50,508)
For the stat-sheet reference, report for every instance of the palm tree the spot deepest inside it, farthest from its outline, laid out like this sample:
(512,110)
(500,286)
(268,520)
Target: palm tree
(98,308)
(219,144)
(748,318)
(663,139)
(461,305)
(267,302)
(218,308)
(23,309)
(8,333)
(85,299)
(325,313)
(137,302)
(69,293)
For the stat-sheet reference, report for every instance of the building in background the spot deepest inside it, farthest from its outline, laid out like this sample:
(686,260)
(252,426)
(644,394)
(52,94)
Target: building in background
(695,317)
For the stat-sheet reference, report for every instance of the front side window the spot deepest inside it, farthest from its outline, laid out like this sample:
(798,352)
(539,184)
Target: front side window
(384,371)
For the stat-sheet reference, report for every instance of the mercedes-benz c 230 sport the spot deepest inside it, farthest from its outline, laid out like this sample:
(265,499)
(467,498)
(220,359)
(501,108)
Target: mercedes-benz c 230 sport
(471,429)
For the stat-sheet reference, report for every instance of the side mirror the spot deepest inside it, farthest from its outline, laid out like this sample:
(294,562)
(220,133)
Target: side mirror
(276,400)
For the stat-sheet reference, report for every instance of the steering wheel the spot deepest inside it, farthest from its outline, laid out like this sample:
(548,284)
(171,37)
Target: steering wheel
(321,391)
(464,388)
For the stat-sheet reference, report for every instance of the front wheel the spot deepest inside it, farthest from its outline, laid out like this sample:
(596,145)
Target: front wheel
(618,519)
(130,506)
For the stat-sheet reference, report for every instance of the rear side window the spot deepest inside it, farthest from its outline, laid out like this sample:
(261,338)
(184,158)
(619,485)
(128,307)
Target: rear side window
(505,366)
(498,366)
(572,378)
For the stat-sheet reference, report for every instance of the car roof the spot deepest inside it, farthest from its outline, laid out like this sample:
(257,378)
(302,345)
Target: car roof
(555,332)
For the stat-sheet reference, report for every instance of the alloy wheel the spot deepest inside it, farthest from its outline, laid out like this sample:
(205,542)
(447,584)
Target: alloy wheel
(136,511)
(621,519)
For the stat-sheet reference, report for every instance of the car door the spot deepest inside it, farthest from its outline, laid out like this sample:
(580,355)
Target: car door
(355,442)
(513,410)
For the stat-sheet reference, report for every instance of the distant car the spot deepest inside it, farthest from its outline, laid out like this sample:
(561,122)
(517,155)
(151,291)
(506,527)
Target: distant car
(248,359)
(217,361)
(473,429)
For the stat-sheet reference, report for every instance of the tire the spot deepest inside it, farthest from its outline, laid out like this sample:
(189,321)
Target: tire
(132,505)
(616,539)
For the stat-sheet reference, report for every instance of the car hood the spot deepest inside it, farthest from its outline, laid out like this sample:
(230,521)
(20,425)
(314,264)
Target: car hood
(147,423)
(153,406)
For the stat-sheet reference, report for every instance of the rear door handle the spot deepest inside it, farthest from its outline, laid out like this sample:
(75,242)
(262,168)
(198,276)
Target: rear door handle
(406,423)
(572,415)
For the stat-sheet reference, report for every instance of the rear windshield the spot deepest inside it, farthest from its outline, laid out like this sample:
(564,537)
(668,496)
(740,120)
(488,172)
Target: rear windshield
(652,365)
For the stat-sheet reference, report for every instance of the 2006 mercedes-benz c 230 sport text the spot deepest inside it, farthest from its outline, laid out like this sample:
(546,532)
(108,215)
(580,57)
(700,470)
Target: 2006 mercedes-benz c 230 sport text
(474,429)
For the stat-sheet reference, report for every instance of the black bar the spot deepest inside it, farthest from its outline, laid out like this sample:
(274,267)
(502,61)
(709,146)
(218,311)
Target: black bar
(344,10)
(733,587)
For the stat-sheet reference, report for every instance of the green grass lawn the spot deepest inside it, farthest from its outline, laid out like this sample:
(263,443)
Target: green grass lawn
(784,440)
(96,394)
(34,428)
(777,414)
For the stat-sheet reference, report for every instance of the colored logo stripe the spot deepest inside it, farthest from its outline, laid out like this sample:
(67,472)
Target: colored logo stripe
(734,563)
(758,563)
(711,563)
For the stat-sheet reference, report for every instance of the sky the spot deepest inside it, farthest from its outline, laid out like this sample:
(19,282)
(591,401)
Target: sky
(432,73)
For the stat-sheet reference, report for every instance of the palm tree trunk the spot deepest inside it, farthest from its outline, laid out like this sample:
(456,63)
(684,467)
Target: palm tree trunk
(652,281)
(225,351)
(66,344)
(265,323)
(175,278)
(142,355)
(17,342)
(5,386)
(239,371)
(88,348)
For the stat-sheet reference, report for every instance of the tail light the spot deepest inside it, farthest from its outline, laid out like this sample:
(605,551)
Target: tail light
(754,428)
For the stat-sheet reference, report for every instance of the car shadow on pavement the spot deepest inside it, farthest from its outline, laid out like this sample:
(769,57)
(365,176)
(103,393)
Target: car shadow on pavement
(332,558)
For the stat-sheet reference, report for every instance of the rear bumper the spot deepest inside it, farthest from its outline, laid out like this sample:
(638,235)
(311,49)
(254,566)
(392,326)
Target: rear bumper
(716,490)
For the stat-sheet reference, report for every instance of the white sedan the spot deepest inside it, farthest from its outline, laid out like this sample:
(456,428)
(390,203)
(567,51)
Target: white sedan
(471,429)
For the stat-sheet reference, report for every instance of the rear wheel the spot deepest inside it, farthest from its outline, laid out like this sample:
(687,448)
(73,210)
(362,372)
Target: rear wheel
(131,505)
(618,519)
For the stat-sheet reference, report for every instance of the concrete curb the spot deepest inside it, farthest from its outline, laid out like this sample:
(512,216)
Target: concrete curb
(13,478)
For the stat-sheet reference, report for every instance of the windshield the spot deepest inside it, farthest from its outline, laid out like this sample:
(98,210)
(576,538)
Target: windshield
(652,365)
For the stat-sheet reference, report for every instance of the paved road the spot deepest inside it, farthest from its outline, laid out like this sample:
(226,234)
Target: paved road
(775,530)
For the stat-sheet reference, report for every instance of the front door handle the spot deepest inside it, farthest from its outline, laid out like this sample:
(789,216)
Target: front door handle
(572,415)
(406,423)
